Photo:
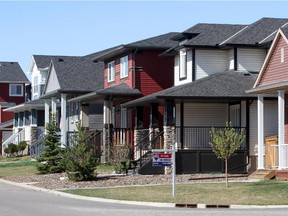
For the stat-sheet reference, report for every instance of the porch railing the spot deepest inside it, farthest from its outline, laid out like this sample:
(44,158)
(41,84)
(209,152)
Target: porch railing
(37,146)
(199,137)
(123,136)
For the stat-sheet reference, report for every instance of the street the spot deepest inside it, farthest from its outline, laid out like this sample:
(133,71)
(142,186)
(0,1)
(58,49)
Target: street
(21,201)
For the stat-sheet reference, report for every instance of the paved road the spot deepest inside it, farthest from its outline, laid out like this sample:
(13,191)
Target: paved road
(21,201)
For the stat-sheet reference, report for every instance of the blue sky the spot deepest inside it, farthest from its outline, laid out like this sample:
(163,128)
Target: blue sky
(84,27)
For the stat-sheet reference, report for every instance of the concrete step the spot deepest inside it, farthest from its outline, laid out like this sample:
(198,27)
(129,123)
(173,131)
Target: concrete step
(263,174)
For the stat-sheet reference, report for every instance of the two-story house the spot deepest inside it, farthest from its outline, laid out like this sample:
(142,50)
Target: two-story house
(131,71)
(12,84)
(272,80)
(214,65)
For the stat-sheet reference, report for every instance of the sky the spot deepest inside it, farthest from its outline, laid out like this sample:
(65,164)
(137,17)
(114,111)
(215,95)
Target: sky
(80,28)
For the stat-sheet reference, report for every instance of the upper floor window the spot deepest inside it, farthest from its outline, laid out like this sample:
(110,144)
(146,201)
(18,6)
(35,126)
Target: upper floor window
(16,90)
(183,64)
(35,86)
(124,67)
(111,71)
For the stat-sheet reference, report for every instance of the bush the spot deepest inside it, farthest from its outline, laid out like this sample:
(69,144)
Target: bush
(79,161)
(12,149)
(21,147)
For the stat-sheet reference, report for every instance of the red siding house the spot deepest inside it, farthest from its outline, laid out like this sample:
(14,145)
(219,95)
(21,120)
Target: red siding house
(273,80)
(12,92)
(132,71)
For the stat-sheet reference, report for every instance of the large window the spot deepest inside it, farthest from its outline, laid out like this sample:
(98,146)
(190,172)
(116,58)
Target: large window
(183,64)
(16,90)
(124,67)
(111,71)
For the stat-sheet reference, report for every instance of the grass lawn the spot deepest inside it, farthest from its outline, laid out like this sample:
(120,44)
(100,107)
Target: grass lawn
(254,193)
(17,166)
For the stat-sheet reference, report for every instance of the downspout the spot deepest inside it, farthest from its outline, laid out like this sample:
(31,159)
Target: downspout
(134,67)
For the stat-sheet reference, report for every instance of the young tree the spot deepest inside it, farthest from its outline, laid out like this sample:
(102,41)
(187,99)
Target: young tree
(51,155)
(79,161)
(225,142)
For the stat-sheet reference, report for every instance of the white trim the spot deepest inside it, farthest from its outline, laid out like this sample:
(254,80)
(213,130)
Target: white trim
(111,71)
(123,70)
(16,85)
(260,120)
(281,123)
(233,35)
(63,119)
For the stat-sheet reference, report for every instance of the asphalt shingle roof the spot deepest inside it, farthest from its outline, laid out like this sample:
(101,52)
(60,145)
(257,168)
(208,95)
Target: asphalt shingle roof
(12,72)
(258,31)
(121,89)
(79,74)
(160,42)
(211,34)
(43,61)
(229,84)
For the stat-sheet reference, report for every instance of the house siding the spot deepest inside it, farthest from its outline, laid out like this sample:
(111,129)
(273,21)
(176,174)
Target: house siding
(210,61)
(250,59)
(128,80)
(4,94)
(156,72)
(270,123)
(276,71)
(52,83)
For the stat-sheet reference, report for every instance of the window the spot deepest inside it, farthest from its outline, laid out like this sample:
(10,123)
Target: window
(282,55)
(16,90)
(111,71)
(183,64)
(124,67)
(35,85)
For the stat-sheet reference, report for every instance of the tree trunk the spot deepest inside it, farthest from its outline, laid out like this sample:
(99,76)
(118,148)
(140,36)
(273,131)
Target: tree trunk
(226,172)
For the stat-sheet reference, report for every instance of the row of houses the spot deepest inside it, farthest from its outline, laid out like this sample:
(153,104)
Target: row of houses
(169,89)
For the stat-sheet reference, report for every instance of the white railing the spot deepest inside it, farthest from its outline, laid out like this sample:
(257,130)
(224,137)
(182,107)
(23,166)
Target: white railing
(284,150)
(14,138)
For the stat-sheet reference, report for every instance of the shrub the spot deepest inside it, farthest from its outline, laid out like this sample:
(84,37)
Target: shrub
(79,161)
(12,149)
(21,147)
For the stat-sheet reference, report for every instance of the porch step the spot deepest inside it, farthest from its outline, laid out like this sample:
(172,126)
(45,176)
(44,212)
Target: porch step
(263,174)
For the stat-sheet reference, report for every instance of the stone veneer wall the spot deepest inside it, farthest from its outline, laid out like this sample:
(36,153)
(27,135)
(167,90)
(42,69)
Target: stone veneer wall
(107,142)
(169,141)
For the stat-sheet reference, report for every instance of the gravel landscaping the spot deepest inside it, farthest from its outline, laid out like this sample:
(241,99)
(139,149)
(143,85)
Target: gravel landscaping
(60,181)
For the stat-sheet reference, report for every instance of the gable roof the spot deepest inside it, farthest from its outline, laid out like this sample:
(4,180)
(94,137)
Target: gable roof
(282,32)
(12,72)
(225,85)
(43,61)
(76,75)
(33,104)
(258,32)
(160,42)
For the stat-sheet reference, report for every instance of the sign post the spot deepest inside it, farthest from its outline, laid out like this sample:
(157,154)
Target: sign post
(166,159)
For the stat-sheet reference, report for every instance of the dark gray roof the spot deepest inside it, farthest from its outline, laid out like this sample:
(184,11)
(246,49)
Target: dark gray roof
(12,72)
(36,104)
(258,31)
(229,84)
(120,90)
(285,31)
(211,34)
(160,42)
(43,61)
(102,52)
(79,74)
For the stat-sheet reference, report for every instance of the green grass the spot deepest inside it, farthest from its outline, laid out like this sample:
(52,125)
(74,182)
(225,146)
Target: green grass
(104,168)
(255,193)
(17,166)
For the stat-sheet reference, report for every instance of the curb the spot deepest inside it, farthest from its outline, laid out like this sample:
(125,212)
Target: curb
(152,204)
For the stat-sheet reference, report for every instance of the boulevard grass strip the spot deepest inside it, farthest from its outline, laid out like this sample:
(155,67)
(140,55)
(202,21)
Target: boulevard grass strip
(17,166)
(247,193)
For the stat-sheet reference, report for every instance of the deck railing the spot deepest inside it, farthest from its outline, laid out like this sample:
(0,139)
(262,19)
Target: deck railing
(199,137)
(123,136)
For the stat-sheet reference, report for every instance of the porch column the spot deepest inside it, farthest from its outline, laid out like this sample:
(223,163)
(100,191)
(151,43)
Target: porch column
(63,120)
(139,133)
(53,106)
(169,125)
(84,115)
(281,122)
(107,130)
(139,118)
(260,109)
(154,115)
(46,119)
